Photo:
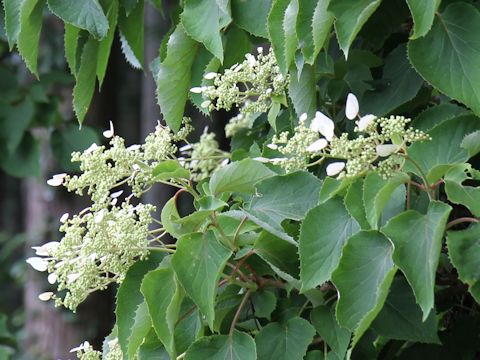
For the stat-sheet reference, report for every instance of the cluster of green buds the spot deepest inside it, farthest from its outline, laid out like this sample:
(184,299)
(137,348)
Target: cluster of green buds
(85,351)
(381,144)
(251,86)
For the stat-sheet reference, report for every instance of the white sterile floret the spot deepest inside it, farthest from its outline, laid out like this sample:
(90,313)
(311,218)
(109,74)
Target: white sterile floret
(317,145)
(52,278)
(385,150)
(38,263)
(45,296)
(205,104)
(272,146)
(303,117)
(91,149)
(82,346)
(57,179)
(261,159)
(110,132)
(46,249)
(323,124)
(196,90)
(365,121)
(210,75)
(335,168)
(351,107)
(134,147)
(64,218)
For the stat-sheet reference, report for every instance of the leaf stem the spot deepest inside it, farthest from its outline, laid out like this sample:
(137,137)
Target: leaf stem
(238,312)
(460,221)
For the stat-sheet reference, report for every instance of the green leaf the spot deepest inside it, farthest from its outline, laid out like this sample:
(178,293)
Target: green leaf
(128,5)
(323,234)
(173,77)
(423,13)
(86,79)
(400,84)
(457,193)
(288,341)
(170,169)
(164,298)
(433,157)
(264,302)
(239,346)
(129,298)
(203,20)
(31,18)
(401,318)
(106,43)
(284,197)
(377,192)
(353,202)
(314,23)
(471,143)
(15,120)
(331,332)
(448,55)
(276,32)
(12,20)
(437,114)
(237,44)
(278,253)
(289,27)
(198,264)
(132,29)
(350,18)
(85,14)
(418,241)
(71,43)
(302,90)
(139,330)
(65,141)
(240,176)
(25,161)
(151,348)
(464,252)
(251,15)
(362,279)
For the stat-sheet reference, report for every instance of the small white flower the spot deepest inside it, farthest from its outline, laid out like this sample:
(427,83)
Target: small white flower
(238,68)
(56,179)
(317,145)
(272,146)
(116,194)
(261,159)
(64,218)
(323,124)
(335,168)
(52,278)
(38,263)
(99,217)
(385,150)
(303,117)
(185,148)
(193,163)
(110,132)
(259,49)
(365,121)
(210,75)
(91,148)
(73,277)
(269,91)
(114,202)
(59,176)
(205,104)
(352,107)
(250,60)
(196,90)
(46,249)
(133,147)
(45,296)
(181,161)
(83,346)
(224,162)
(136,167)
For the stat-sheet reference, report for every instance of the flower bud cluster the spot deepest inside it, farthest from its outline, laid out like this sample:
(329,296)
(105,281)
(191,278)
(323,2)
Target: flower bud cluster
(86,352)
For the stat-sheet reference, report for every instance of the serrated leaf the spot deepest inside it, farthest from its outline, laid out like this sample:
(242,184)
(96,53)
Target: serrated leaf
(464,251)
(289,28)
(377,192)
(458,193)
(350,18)
(132,30)
(353,201)
(202,21)
(331,332)
(173,77)
(198,263)
(31,18)
(447,56)
(204,63)
(401,317)
(128,5)
(240,176)
(71,40)
(288,341)
(433,157)
(12,20)
(237,44)
(418,240)
(169,169)
(423,13)
(362,279)
(251,15)
(238,346)
(139,330)
(106,43)
(323,234)
(264,302)
(276,32)
(322,25)
(302,91)
(151,348)
(437,114)
(164,298)
(471,143)
(129,298)
(86,79)
(85,14)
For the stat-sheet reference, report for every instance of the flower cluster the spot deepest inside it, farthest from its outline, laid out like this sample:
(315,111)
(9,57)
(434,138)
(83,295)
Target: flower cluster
(380,145)
(86,352)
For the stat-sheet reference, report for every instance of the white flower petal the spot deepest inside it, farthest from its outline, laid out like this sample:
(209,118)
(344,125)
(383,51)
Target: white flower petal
(64,218)
(55,181)
(83,346)
(116,194)
(224,162)
(261,159)
(91,148)
(385,150)
(45,296)
(272,146)
(303,117)
(185,148)
(259,49)
(365,121)
(133,147)
(210,75)
(52,278)
(60,176)
(114,202)
(352,107)
(317,145)
(110,132)
(196,90)
(335,168)
(73,277)
(276,161)
(205,104)
(323,124)
(99,216)
(38,263)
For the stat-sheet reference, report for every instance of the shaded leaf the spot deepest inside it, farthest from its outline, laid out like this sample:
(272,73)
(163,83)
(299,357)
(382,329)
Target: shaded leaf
(302,90)
(331,332)
(423,13)
(11,9)
(251,15)
(132,30)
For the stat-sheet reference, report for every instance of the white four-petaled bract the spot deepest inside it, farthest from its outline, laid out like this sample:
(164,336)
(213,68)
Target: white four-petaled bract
(335,168)
(38,263)
(110,132)
(317,145)
(385,150)
(365,121)
(323,124)
(352,107)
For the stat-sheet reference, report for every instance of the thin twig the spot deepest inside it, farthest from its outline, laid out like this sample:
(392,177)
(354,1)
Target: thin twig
(460,221)
(239,310)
